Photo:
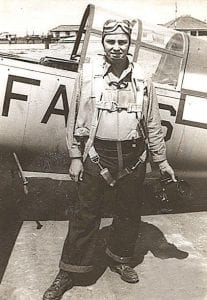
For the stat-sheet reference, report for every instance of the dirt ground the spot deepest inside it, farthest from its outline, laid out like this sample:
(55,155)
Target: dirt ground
(170,258)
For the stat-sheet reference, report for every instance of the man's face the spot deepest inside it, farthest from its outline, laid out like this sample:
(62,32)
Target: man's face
(116,46)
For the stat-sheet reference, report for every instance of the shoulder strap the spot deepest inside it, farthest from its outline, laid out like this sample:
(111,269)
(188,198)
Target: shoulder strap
(138,85)
(92,75)
(97,86)
(97,81)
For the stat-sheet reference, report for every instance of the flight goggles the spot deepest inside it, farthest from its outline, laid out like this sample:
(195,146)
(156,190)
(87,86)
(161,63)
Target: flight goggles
(111,25)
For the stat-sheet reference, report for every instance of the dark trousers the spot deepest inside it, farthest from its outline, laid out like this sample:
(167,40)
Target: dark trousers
(80,243)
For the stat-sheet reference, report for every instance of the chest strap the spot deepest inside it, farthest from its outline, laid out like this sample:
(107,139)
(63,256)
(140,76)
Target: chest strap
(113,106)
(97,88)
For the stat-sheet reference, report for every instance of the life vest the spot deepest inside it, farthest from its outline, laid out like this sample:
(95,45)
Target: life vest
(92,87)
(92,73)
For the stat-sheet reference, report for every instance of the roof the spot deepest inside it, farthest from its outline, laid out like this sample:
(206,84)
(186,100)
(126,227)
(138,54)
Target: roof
(186,23)
(65,28)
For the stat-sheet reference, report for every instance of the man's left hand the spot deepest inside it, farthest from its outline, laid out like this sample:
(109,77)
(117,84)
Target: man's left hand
(165,168)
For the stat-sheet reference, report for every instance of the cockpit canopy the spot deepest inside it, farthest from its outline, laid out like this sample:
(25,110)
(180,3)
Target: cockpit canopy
(161,52)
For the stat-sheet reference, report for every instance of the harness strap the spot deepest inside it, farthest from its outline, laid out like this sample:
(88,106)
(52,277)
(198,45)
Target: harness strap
(128,170)
(113,106)
(120,156)
(94,156)
(142,129)
(95,72)
(138,85)
(97,81)
(97,88)
(92,133)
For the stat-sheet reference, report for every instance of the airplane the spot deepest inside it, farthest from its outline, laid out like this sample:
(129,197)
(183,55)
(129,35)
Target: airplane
(36,96)
(35,100)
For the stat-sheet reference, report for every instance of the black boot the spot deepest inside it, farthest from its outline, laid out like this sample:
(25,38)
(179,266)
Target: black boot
(60,285)
(127,273)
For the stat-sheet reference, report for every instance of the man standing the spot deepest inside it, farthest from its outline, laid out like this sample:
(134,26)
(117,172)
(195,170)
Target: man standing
(116,123)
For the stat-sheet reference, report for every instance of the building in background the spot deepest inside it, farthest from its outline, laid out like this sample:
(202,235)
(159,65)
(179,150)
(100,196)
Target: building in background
(188,24)
(64,32)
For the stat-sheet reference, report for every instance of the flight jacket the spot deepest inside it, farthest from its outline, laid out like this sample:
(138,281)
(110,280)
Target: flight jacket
(83,110)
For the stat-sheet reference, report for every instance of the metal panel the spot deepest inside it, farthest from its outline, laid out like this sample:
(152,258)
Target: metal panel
(34,106)
(195,77)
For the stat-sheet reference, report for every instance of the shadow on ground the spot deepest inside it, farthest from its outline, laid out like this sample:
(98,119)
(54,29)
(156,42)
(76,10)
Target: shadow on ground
(150,239)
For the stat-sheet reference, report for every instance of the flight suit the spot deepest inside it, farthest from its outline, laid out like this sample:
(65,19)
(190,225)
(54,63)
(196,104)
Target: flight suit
(118,142)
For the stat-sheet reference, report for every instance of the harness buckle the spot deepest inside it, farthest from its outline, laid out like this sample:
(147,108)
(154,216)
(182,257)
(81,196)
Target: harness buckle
(107,105)
(114,106)
(132,107)
(95,159)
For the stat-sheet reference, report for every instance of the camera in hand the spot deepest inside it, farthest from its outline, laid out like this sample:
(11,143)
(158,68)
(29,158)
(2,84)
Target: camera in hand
(172,195)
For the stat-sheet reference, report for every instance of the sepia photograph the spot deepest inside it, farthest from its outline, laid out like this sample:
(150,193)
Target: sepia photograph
(103,150)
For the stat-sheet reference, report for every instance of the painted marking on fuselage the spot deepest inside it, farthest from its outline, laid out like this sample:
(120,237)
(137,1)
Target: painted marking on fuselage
(166,123)
(10,95)
(61,91)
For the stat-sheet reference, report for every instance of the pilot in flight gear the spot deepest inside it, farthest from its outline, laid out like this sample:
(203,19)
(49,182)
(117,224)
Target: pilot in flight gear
(110,130)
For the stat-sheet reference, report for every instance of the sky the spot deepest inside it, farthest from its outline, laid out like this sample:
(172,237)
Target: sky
(39,16)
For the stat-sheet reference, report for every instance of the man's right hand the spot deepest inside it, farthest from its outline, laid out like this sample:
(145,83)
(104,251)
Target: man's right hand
(76,169)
